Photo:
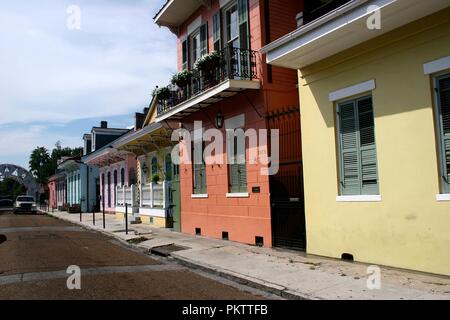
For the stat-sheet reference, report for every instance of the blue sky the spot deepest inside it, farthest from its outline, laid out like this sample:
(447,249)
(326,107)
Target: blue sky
(56,83)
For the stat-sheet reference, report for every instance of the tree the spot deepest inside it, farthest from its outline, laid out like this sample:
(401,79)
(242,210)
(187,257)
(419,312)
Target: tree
(43,165)
(39,164)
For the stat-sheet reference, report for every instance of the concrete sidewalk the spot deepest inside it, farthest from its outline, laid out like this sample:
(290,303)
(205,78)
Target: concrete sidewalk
(290,274)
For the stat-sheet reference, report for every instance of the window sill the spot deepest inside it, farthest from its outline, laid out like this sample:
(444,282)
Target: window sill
(238,195)
(443,197)
(200,196)
(358,199)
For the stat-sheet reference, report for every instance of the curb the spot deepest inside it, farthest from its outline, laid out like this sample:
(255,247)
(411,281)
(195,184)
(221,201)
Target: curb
(244,280)
(227,274)
(104,232)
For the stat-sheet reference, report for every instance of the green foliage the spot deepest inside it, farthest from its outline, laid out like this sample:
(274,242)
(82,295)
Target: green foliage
(155,178)
(40,164)
(162,93)
(12,188)
(208,62)
(181,79)
(43,164)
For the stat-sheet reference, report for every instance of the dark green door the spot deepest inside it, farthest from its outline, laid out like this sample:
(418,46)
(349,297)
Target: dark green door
(176,198)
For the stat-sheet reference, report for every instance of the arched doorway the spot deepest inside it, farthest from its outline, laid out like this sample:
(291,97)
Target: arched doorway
(12,177)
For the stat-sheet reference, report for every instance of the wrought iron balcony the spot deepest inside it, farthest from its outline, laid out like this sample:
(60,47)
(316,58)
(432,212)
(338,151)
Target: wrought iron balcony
(232,64)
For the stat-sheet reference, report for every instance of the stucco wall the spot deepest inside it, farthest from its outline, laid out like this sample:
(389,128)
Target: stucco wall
(409,228)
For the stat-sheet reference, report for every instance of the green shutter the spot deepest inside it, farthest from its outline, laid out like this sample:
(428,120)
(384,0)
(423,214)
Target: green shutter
(238,173)
(444,117)
(217,32)
(350,173)
(243,24)
(185,54)
(359,173)
(199,173)
(368,151)
(204,39)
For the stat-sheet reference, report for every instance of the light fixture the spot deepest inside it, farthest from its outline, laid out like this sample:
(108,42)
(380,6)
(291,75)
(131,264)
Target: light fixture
(219,120)
(144,168)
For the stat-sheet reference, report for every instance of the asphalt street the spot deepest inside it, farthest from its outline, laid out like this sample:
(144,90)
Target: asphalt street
(36,250)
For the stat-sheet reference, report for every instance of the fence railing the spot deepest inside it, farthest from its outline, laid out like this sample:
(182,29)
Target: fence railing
(155,195)
(125,195)
(233,63)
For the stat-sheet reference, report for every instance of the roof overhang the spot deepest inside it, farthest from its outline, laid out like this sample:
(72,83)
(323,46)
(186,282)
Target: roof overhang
(148,139)
(176,12)
(211,96)
(70,165)
(344,28)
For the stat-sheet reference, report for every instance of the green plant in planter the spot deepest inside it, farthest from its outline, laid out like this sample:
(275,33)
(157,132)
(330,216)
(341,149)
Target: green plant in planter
(208,62)
(181,79)
(155,178)
(162,93)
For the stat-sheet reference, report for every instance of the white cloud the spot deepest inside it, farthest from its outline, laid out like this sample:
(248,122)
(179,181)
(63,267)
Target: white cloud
(50,74)
(17,144)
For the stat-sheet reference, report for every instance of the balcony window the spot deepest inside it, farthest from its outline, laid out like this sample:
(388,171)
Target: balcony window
(215,79)
(315,9)
(195,47)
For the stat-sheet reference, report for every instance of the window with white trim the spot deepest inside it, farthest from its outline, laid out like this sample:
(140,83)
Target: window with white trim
(357,148)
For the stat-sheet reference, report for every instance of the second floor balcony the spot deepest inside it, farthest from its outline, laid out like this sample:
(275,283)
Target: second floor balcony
(216,76)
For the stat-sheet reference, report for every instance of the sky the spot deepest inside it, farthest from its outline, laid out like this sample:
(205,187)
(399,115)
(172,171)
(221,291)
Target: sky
(58,81)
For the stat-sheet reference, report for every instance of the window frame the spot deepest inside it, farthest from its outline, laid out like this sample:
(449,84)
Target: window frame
(361,196)
(444,190)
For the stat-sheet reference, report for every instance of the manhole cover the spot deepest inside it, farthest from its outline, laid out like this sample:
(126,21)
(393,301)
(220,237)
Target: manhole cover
(165,251)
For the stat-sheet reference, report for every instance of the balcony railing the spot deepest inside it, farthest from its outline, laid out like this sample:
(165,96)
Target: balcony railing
(233,64)
(155,195)
(125,195)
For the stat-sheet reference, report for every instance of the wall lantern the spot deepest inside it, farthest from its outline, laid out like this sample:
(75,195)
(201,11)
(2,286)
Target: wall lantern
(145,168)
(219,120)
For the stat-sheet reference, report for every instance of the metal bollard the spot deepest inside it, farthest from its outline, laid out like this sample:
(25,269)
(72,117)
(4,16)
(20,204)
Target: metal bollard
(104,223)
(126,218)
(93,216)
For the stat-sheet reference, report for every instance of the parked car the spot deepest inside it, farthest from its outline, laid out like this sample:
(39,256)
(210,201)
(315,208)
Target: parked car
(6,203)
(25,204)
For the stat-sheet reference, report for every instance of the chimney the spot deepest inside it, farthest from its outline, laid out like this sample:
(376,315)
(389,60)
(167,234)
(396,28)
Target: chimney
(104,124)
(139,120)
(146,110)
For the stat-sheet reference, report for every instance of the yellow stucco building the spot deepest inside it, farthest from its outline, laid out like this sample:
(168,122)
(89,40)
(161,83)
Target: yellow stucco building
(375,116)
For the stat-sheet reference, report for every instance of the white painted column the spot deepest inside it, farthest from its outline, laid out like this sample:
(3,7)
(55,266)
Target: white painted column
(151,195)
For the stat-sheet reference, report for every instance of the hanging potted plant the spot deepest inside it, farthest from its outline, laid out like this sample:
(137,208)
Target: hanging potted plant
(182,79)
(162,93)
(208,65)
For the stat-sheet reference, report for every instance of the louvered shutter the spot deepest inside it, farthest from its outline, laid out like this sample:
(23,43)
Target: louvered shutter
(204,40)
(243,24)
(238,171)
(199,173)
(185,54)
(242,177)
(350,167)
(444,116)
(358,154)
(368,152)
(217,32)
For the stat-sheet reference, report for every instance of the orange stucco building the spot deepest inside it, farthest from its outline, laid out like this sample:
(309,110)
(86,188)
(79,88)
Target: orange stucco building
(238,202)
